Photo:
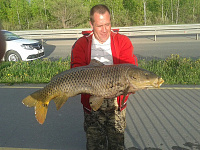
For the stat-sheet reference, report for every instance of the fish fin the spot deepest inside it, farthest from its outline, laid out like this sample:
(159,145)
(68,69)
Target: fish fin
(60,101)
(29,101)
(95,63)
(95,102)
(124,95)
(41,107)
(41,111)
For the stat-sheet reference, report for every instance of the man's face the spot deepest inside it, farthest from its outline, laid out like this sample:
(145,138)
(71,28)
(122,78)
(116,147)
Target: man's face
(101,26)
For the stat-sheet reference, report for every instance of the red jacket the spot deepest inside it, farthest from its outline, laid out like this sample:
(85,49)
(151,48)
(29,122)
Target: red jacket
(122,51)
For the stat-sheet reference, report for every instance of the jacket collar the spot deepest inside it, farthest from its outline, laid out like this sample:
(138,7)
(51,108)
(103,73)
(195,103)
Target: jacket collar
(88,34)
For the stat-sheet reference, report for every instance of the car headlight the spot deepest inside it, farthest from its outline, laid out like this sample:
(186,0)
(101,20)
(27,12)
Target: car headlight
(27,46)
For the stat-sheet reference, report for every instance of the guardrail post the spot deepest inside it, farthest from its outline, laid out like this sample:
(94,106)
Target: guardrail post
(197,36)
(42,41)
(155,35)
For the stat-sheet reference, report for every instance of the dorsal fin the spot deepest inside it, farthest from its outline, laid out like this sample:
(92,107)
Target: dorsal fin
(95,63)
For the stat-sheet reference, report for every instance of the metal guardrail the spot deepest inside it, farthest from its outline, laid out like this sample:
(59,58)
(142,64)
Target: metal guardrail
(128,31)
(162,30)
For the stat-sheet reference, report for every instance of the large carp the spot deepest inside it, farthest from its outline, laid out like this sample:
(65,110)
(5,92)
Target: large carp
(98,80)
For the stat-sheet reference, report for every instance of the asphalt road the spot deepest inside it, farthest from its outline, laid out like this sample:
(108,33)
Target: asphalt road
(144,47)
(166,118)
(19,129)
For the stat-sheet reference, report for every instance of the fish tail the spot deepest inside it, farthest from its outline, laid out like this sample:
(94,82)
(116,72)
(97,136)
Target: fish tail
(41,106)
(41,111)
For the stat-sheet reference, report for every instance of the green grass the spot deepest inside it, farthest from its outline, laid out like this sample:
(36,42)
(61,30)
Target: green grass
(174,70)
(38,71)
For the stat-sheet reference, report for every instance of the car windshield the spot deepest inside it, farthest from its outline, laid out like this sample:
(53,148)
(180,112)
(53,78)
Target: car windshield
(10,36)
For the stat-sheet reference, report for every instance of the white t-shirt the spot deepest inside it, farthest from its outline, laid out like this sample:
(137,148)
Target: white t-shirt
(102,52)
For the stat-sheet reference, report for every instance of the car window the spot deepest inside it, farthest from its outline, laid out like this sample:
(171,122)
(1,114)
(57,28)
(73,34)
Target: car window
(10,36)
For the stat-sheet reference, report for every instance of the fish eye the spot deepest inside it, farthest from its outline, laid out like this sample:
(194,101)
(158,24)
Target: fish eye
(133,77)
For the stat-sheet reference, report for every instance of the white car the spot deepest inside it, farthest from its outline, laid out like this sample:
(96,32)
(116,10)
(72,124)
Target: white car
(19,49)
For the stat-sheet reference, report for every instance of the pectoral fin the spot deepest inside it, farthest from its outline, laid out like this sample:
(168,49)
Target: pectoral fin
(95,102)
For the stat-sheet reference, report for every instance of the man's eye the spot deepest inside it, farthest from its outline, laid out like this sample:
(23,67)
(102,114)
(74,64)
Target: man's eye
(99,26)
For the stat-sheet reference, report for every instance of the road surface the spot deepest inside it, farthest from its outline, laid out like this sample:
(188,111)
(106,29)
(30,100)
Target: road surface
(166,118)
(144,47)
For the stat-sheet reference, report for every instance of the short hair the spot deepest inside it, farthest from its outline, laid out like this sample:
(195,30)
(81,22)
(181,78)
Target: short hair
(100,8)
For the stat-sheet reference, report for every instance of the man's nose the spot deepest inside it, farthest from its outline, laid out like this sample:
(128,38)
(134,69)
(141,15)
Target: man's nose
(103,28)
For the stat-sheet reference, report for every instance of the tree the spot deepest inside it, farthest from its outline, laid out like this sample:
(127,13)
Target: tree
(135,11)
(41,17)
(45,14)
(71,13)
(4,4)
(155,11)
(118,13)
(145,14)
(162,8)
(45,11)
(18,15)
(172,11)
(177,11)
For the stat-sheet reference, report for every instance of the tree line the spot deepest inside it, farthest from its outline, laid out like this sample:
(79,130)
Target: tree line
(58,14)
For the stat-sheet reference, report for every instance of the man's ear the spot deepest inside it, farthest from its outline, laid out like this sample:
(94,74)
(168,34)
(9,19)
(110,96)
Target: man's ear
(91,25)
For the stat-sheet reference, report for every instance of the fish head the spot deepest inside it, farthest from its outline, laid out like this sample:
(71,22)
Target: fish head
(140,78)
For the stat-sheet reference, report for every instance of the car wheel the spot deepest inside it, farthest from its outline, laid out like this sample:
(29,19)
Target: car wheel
(12,56)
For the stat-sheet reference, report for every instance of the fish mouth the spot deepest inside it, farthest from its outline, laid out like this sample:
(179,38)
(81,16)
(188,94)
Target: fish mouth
(158,82)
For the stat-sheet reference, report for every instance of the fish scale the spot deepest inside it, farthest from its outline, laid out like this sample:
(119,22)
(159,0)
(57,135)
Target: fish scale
(88,77)
(98,80)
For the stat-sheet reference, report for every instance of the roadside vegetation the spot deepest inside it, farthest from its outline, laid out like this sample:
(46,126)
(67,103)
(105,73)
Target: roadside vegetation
(174,70)
(38,71)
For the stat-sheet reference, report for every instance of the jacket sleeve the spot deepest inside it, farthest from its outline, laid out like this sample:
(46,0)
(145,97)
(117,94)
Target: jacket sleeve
(78,53)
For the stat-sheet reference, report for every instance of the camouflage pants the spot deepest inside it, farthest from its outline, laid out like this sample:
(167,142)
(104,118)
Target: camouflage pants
(105,127)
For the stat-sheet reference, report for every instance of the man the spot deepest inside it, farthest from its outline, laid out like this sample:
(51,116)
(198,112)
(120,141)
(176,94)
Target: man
(105,127)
